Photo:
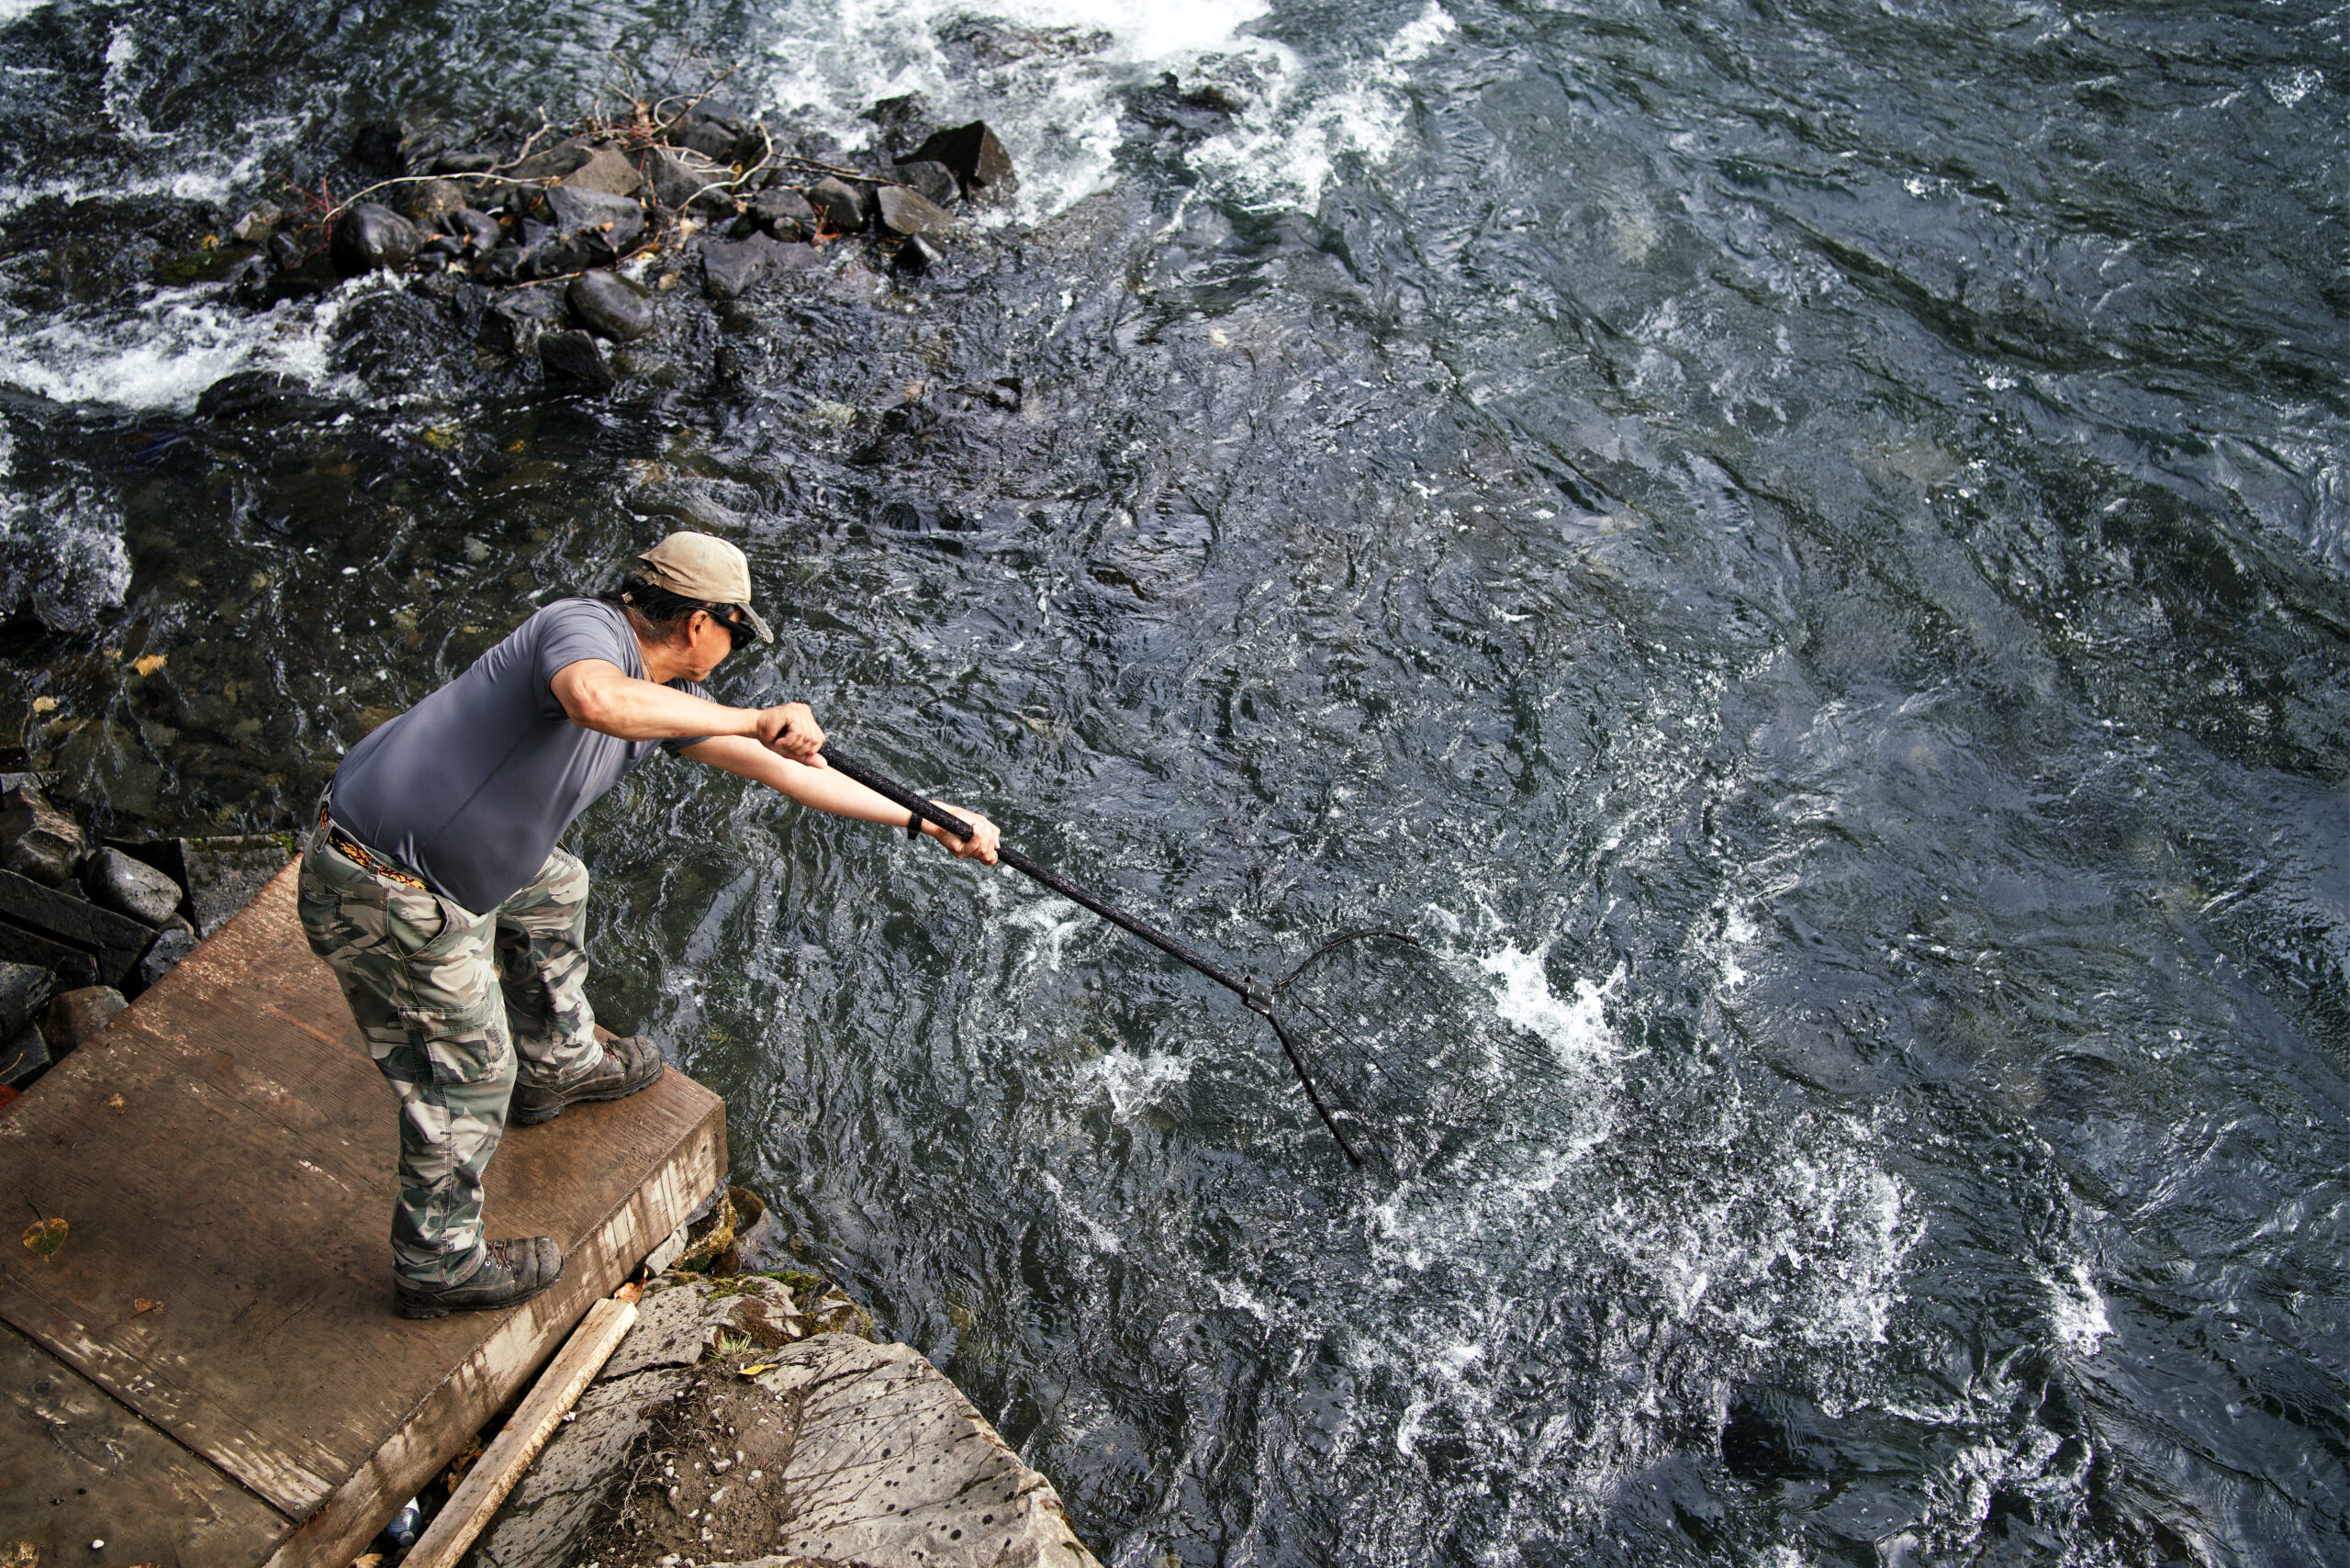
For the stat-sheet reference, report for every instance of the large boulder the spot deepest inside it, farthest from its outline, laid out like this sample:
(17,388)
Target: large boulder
(38,841)
(615,220)
(371,237)
(980,164)
(728,1427)
(610,305)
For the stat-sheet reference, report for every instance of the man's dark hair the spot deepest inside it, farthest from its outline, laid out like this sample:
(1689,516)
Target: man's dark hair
(664,614)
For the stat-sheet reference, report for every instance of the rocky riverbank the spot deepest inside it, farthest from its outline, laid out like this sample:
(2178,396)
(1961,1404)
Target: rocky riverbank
(562,246)
(87,924)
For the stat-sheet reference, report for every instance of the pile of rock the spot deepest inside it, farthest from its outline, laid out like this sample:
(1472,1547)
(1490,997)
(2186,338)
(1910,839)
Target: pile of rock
(84,927)
(699,186)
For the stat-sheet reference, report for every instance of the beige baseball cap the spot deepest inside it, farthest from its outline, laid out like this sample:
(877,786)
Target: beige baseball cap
(697,566)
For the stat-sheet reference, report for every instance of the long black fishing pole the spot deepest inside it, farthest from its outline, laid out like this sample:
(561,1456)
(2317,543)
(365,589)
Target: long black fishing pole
(1258,998)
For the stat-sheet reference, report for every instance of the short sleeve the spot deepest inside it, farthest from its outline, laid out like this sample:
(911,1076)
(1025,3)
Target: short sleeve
(676,744)
(575,628)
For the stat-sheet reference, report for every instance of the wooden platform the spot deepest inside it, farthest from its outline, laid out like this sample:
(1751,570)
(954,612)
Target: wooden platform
(210,1372)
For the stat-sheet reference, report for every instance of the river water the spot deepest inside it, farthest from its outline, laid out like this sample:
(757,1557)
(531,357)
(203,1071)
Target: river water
(1803,546)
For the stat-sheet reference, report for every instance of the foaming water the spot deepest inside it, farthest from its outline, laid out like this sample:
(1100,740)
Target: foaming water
(166,351)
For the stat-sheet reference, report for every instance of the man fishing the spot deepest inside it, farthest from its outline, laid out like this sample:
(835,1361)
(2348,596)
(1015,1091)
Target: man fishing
(433,884)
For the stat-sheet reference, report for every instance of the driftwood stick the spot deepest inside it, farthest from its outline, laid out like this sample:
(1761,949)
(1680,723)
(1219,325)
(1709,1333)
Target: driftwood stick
(494,1474)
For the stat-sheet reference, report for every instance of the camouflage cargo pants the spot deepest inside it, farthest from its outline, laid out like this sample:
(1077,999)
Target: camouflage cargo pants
(447,1000)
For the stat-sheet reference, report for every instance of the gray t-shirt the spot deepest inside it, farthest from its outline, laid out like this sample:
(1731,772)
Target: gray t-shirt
(472,786)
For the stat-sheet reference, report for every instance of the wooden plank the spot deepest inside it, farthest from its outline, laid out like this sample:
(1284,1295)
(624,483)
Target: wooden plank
(494,1474)
(75,1466)
(245,1180)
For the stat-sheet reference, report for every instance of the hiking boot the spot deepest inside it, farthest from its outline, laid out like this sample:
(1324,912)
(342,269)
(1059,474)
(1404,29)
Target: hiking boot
(630,1063)
(511,1272)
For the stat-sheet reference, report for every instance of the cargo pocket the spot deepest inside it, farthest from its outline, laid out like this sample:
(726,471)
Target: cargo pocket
(451,1001)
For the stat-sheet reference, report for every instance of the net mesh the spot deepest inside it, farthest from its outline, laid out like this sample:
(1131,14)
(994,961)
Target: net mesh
(1407,1062)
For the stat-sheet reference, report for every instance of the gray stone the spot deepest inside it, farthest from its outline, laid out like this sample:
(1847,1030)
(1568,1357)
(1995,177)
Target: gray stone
(429,201)
(573,355)
(223,875)
(465,163)
(370,236)
(607,170)
(784,213)
(480,230)
(732,269)
(681,1316)
(24,990)
(256,226)
(551,164)
(172,944)
(839,204)
(918,256)
(38,841)
(902,209)
(612,223)
(75,1018)
(132,886)
(684,181)
(933,179)
(24,1058)
(611,305)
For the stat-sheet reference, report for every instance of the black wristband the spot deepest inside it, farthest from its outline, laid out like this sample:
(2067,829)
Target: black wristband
(913,825)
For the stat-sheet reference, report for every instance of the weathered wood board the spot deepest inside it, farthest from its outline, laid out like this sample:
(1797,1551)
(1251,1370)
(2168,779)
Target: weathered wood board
(224,1153)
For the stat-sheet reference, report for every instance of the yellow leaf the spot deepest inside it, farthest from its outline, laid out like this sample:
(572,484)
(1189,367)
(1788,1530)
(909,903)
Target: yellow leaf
(517,446)
(762,1367)
(42,1239)
(141,1304)
(44,704)
(114,1103)
(151,663)
(442,436)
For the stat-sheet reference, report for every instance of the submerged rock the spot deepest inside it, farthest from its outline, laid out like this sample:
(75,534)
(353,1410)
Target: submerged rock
(378,146)
(369,237)
(575,357)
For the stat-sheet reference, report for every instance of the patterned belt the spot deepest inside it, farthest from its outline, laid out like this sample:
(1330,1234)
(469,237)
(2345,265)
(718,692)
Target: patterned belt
(359,855)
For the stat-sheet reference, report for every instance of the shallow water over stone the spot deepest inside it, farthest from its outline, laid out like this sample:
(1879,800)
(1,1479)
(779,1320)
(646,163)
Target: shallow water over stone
(1803,548)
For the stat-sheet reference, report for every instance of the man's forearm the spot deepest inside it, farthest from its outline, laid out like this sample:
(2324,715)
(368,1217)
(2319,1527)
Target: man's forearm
(820,789)
(616,703)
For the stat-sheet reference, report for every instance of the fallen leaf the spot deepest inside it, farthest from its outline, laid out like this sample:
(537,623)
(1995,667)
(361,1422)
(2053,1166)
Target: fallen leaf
(517,446)
(141,1304)
(762,1367)
(373,1560)
(114,1103)
(42,1239)
(44,704)
(442,436)
(148,664)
